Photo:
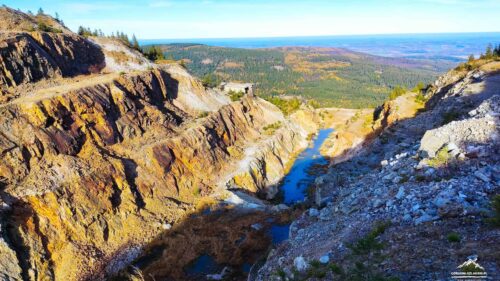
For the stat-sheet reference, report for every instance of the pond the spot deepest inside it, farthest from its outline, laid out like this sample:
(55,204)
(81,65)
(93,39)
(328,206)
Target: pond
(296,182)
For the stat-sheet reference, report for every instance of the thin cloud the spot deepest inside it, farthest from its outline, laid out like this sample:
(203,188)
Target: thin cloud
(87,7)
(160,4)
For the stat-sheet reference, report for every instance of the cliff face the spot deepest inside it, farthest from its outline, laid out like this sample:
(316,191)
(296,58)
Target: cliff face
(92,167)
(31,57)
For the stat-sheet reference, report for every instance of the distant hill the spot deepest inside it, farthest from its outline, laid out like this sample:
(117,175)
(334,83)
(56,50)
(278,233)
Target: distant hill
(332,76)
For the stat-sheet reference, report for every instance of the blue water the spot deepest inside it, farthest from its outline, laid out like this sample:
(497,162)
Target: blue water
(296,182)
(246,267)
(449,46)
(203,265)
(279,233)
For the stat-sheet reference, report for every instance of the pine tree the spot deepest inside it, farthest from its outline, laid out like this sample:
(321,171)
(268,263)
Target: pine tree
(471,58)
(489,52)
(40,12)
(155,53)
(497,50)
(81,31)
(135,43)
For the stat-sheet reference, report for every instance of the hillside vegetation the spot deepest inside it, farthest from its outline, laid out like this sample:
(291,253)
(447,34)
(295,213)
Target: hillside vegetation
(333,77)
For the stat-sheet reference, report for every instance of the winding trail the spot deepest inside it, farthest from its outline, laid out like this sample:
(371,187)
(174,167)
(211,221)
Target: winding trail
(63,88)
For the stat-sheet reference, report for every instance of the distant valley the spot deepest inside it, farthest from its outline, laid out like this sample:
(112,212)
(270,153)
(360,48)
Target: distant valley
(329,76)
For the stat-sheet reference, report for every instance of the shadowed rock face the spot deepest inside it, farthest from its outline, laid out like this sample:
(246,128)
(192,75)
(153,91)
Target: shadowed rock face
(31,57)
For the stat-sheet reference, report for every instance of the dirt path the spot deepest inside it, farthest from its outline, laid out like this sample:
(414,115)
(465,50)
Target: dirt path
(64,87)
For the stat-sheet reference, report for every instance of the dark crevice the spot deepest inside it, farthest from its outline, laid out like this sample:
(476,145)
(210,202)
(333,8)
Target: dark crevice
(116,198)
(17,216)
(49,122)
(27,157)
(131,175)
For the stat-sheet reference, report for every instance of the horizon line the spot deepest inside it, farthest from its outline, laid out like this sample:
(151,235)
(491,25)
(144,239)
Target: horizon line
(331,35)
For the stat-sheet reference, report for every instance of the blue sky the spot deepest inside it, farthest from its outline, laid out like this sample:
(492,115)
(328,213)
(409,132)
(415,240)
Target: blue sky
(157,19)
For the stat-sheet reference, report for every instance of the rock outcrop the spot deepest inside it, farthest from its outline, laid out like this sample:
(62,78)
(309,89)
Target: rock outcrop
(27,58)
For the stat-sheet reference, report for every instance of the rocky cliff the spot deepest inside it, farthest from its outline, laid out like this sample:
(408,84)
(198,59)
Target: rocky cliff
(93,167)
(415,202)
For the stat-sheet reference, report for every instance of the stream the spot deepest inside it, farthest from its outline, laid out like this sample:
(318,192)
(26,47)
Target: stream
(224,243)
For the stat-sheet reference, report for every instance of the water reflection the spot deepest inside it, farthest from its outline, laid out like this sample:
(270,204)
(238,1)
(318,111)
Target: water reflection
(299,178)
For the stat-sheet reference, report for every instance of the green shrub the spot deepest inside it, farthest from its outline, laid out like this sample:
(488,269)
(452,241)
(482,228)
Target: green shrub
(287,106)
(495,203)
(45,28)
(441,159)
(420,178)
(235,96)
(281,274)
(421,98)
(203,114)
(210,80)
(450,116)
(369,243)
(272,128)
(336,269)
(314,104)
(396,92)
(154,53)
(465,66)
(453,237)
(315,263)
(419,88)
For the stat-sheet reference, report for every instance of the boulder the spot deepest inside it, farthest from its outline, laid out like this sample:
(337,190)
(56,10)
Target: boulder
(300,264)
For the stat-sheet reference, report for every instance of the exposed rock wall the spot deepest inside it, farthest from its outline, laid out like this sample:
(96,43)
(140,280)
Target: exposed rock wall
(26,58)
(91,174)
(23,60)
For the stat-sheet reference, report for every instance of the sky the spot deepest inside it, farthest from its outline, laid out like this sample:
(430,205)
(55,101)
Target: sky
(175,19)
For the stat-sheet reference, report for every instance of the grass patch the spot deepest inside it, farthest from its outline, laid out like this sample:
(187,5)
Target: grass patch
(203,114)
(272,128)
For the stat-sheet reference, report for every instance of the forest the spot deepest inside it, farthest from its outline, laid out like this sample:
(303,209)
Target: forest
(332,77)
